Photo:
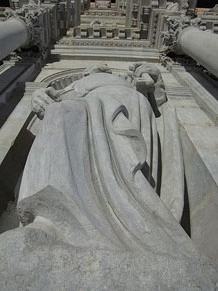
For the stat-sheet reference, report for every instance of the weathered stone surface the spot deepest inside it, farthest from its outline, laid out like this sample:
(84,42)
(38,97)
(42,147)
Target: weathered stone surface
(88,202)
(102,192)
(203,54)
(199,137)
(13,34)
(32,259)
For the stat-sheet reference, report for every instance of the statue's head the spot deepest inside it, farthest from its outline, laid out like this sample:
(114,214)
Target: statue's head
(99,68)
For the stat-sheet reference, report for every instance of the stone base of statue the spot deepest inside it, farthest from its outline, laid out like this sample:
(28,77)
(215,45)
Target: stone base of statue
(34,259)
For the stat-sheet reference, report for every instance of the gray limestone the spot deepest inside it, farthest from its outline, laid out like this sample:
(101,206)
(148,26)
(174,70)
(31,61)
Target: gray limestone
(199,137)
(119,159)
(203,47)
(88,202)
(41,262)
(13,34)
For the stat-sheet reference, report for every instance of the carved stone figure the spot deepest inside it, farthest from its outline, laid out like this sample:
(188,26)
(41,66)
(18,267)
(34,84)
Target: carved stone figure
(89,199)
(184,4)
(177,5)
(173,6)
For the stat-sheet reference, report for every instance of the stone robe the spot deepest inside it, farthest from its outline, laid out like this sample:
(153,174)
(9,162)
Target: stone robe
(100,150)
(88,201)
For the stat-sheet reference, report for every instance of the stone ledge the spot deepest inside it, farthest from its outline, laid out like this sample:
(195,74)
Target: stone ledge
(202,97)
(110,53)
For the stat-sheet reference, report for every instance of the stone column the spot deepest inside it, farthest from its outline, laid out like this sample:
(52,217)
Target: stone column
(77,12)
(13,34)
(202,46)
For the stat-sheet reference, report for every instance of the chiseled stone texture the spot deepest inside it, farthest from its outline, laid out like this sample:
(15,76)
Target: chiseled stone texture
(92,219)
(34,260)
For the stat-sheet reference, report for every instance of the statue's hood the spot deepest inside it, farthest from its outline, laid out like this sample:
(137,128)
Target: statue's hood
(97,80)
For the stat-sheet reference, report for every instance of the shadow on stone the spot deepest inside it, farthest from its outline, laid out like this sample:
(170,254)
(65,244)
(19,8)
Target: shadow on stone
(185,221)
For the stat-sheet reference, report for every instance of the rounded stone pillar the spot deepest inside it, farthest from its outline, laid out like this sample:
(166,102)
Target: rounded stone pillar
(13,34)
(202,46)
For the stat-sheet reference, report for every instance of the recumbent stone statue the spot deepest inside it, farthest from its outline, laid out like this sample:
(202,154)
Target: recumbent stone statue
(101,196)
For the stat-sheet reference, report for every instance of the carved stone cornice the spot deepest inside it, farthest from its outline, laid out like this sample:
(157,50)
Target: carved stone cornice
(176,24)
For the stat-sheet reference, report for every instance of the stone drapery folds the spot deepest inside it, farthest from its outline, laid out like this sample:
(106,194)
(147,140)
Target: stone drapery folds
(92,181)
